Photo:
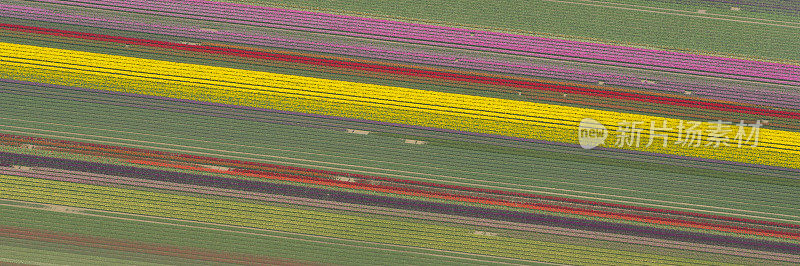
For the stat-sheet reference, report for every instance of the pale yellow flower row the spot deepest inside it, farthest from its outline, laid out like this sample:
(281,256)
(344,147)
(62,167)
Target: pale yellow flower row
(302,221)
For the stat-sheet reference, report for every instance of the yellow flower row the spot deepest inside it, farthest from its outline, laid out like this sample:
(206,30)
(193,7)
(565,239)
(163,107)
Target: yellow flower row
(358,100)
